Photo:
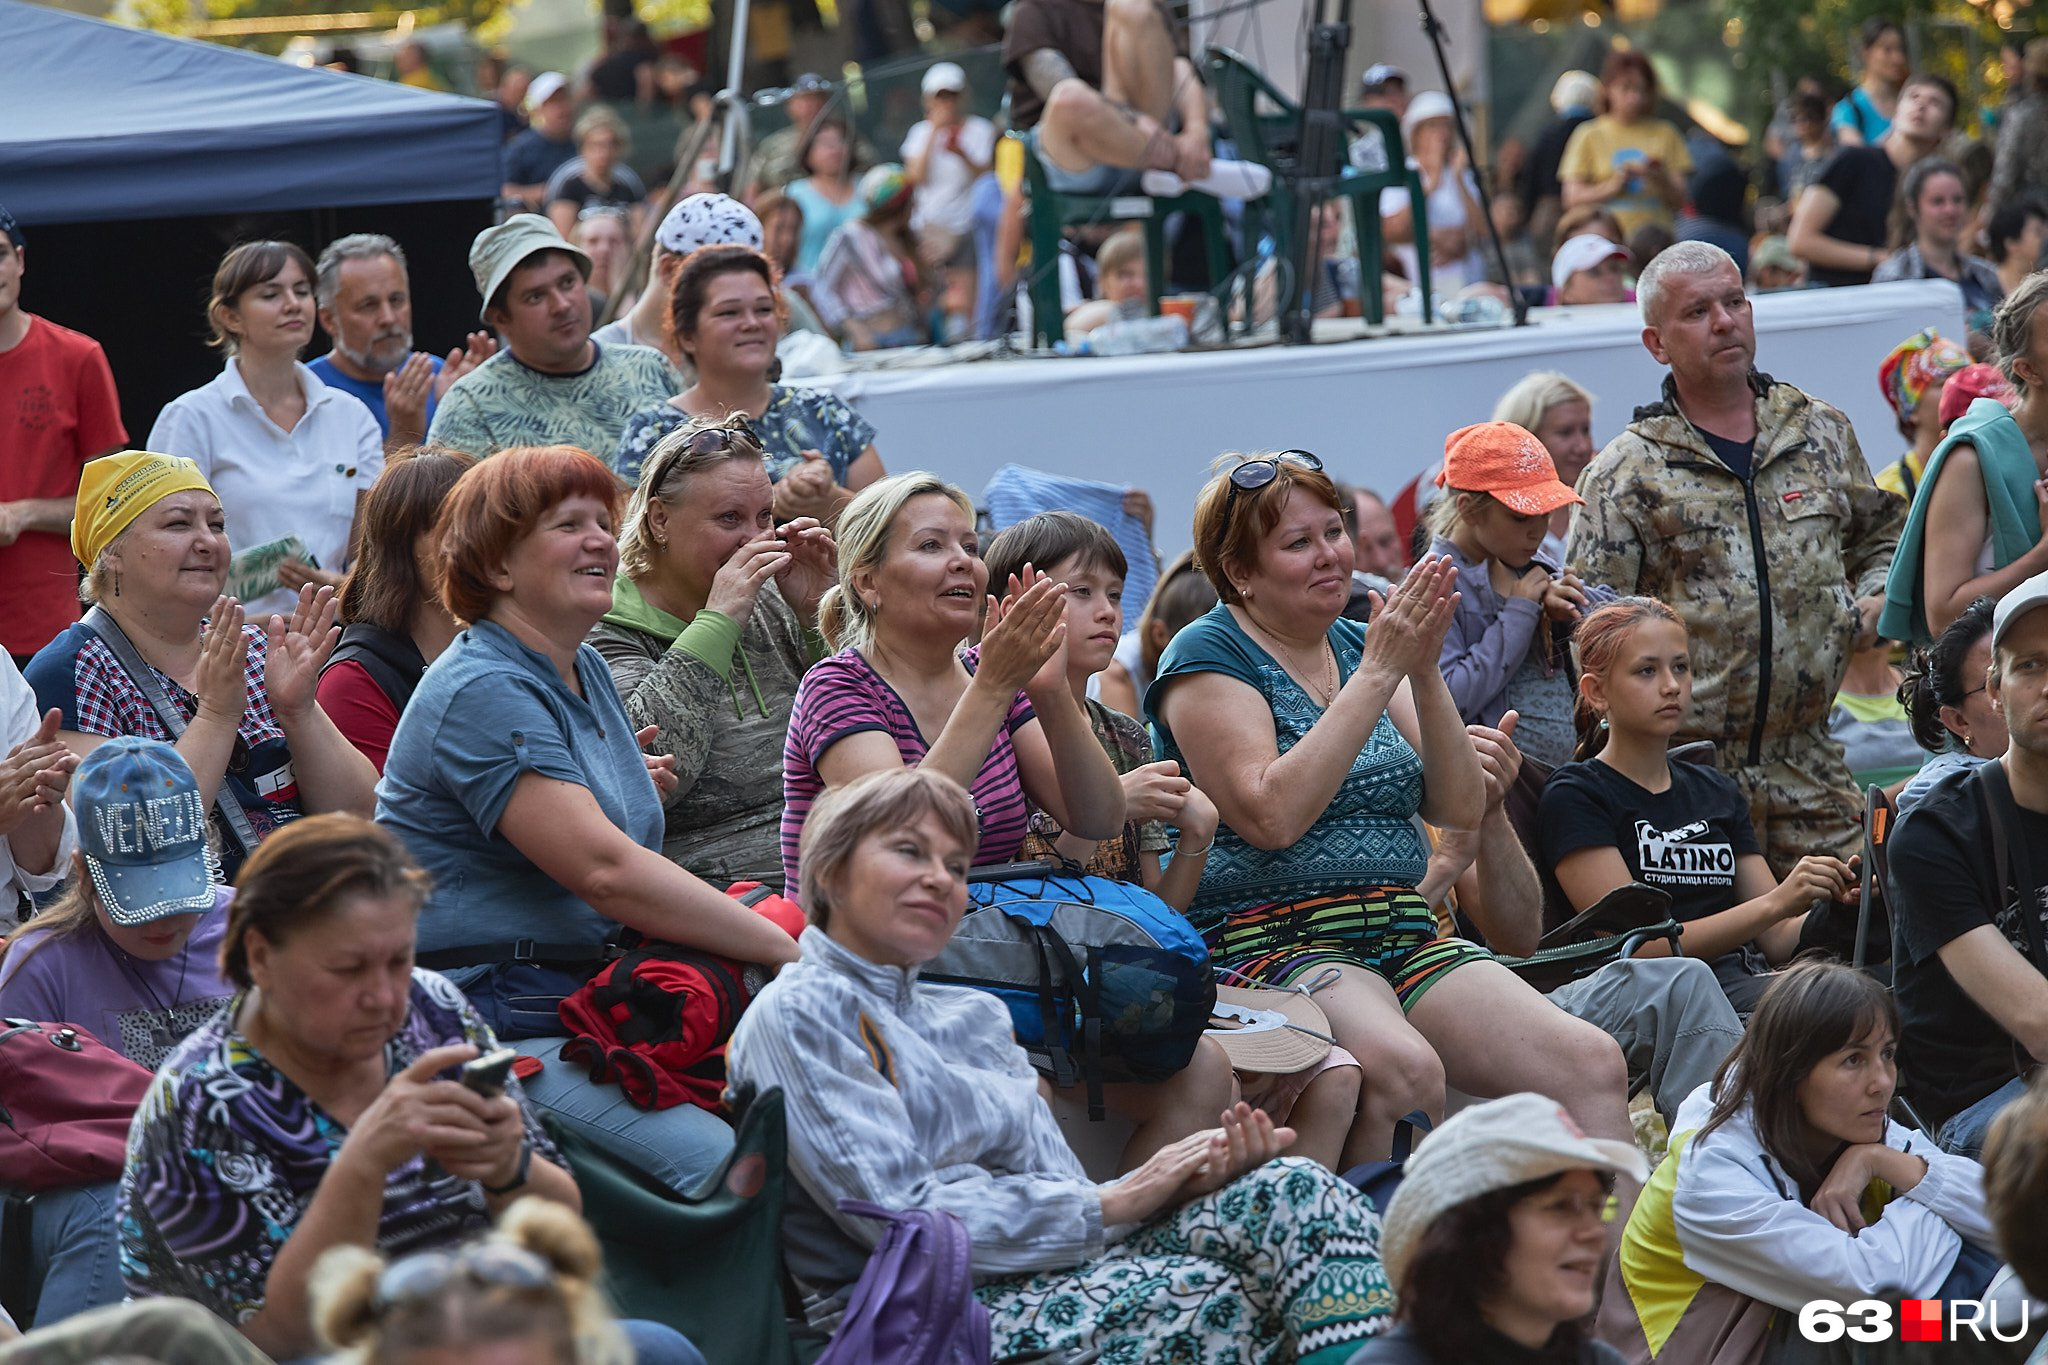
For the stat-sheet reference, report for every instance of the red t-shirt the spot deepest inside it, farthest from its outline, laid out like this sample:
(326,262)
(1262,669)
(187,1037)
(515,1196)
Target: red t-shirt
(359,709)
(57,410)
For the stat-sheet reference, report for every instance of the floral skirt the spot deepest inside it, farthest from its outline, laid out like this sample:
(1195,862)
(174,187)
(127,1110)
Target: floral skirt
(1280,1265)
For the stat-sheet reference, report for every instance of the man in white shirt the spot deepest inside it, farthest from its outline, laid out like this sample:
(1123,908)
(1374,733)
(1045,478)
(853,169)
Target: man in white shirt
(944,153)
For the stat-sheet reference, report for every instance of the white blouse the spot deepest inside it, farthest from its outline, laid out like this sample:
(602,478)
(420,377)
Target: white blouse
(275,483)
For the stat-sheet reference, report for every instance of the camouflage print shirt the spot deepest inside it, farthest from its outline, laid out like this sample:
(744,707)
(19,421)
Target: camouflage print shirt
(1765,571)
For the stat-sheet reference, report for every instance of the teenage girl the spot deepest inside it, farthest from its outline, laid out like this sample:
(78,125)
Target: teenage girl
(1625,813)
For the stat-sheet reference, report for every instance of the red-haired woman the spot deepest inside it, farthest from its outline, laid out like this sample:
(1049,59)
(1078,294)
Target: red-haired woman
(514,775)
(518,782)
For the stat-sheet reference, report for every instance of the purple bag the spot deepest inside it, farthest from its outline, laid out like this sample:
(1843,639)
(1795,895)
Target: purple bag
(914,1303)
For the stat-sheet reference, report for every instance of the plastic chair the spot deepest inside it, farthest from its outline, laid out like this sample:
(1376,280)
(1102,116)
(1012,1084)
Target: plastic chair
(1053,213)
(1872,909)
(1271,140)
(1616,926)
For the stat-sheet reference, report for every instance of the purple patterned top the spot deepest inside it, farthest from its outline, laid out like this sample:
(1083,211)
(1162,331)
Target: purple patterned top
(226,1154)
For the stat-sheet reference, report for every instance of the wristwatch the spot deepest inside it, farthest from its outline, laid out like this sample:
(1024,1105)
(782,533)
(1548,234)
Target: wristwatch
(518,1176)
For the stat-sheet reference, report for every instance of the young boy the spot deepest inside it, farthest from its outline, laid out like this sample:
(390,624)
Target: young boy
(1082,554)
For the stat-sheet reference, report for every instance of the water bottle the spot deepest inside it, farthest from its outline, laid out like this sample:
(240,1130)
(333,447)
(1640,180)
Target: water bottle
(1139,336)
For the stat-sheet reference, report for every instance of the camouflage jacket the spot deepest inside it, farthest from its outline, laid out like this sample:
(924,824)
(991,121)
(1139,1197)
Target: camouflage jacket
(1766,571)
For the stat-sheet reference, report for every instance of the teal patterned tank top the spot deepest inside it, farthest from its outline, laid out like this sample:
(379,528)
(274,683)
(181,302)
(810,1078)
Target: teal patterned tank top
(1367,837)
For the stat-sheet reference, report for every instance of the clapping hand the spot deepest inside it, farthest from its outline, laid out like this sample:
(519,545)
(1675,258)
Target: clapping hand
(479,347)
(221,682)
(1026,631)
(807,490)
(35,773)
(297,650)
(1499,759)
(660,767)
(1405,634)
(405,398)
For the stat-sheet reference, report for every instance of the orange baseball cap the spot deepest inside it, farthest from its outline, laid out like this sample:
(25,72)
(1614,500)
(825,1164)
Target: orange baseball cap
(1507,461)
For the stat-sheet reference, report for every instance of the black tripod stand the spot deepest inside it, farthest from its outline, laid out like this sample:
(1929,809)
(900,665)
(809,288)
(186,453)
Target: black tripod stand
(1319,158)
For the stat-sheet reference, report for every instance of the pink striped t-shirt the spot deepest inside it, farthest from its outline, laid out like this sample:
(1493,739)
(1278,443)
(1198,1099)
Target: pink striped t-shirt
(843,695)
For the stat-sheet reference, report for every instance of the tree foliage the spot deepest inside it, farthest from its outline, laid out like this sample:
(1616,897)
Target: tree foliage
(192,18)
(1777,42)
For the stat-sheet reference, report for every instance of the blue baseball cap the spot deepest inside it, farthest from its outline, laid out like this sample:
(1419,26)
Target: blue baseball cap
(142,828)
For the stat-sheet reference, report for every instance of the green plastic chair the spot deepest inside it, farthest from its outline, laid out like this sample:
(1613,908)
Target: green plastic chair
(1268,138)
(1052,214)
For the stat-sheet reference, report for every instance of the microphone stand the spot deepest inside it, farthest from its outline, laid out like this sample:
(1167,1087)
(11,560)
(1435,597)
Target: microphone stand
(1318,161)
(1434,29)
(730,98)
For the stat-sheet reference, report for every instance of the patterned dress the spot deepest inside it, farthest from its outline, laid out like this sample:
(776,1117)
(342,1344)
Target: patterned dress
(798,418)
(227,1153)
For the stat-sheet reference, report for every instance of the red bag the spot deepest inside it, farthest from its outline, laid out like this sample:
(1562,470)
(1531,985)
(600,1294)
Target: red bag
(66,1100)
(656,1021)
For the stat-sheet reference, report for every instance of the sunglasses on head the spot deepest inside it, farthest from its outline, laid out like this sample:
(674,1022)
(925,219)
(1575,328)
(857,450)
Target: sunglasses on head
(498,1265)
(735,435)
(1256,473)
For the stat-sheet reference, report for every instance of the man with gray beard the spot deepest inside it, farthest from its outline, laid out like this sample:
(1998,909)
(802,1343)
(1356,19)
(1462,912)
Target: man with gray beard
(365,304)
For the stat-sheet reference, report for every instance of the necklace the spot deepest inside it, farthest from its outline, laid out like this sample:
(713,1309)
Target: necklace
(1324,689)
(163,1033)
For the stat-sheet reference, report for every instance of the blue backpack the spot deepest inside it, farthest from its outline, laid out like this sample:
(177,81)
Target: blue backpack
(1105,981)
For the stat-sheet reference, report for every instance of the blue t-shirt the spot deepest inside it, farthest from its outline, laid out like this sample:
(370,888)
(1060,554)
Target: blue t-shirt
(487,712)
(532,156)
(1366,837)
(798,418)
(371,392)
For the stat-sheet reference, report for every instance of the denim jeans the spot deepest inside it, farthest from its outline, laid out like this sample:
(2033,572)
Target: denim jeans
(679,1146)
(76,1249)
(1965,1131)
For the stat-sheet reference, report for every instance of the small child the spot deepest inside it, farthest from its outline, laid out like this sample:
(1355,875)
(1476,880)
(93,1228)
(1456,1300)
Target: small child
(1507,645)
(1082,554)
(1183,593)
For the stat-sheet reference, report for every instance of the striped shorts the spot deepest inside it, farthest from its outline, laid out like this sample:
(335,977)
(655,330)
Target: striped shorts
(1387,929)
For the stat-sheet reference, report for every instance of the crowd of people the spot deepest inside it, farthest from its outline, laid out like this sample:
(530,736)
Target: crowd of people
(925,242)
(415,695)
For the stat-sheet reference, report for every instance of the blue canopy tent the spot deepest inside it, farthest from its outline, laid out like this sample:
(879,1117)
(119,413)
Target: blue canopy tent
(99,122)
(134,160)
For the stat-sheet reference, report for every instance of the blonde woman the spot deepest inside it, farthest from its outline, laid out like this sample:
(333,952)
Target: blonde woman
(903,691)
(1560,413)
(713,623)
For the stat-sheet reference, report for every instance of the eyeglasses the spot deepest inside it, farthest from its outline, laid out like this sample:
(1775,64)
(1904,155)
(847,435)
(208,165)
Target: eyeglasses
(497,1264)
(1255,474)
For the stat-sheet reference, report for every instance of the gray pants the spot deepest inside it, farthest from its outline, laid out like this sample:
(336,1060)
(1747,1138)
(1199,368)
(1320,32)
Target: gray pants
(1670,1016)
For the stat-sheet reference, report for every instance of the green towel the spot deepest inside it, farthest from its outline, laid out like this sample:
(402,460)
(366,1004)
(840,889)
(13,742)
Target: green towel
(2007,465)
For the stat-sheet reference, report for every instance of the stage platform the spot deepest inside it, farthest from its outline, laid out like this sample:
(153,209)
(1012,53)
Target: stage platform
(1376,409)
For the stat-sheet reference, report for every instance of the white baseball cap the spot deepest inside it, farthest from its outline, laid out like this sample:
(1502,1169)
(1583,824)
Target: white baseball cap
(1425,106)
(545,87)
(1582,252)
(2017,603)
(1493,1146)
(944,76)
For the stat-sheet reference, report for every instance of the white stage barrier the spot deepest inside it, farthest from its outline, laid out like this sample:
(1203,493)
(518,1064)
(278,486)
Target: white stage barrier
(1376,410)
